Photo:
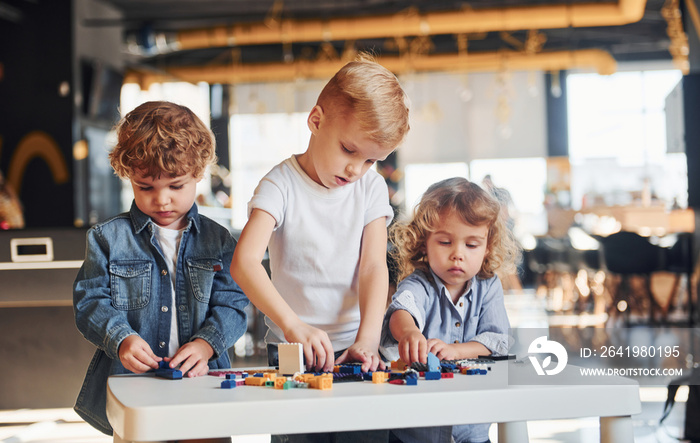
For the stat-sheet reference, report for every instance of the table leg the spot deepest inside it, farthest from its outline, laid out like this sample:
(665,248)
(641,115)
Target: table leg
(513,432)
(616,429)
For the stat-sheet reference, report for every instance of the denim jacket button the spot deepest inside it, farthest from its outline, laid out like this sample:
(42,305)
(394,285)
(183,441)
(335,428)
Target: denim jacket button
(161,344)
(164,308)
(164,272)
(182,308)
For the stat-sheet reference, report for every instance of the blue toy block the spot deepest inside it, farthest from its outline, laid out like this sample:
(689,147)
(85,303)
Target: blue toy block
(367,376)
(411,381)
(433,363)
(230,376)
(433,375)
(228,384)
(483,371)
(172,374)
(350,369)
(448,367)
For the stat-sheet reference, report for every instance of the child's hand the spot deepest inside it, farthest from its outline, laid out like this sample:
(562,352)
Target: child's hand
(358,352)
(442,350)
(413,347)
(317,346)
(192,358)
(136,355)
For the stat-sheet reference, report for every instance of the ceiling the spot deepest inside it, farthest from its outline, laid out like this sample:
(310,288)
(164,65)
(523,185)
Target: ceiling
(227,38)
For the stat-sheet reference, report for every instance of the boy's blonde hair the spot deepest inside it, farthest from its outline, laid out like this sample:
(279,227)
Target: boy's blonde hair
(371,94)
(474,206)
(162,138)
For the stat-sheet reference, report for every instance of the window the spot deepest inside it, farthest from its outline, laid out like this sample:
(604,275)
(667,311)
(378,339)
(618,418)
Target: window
(258,143)
(617,139)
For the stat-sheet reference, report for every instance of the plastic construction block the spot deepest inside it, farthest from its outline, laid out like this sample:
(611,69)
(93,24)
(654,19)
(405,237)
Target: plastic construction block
(339,377)
(411,381)
(411,373)
(399,365)
(164,371)
(291,358)
(255,381)
(433,362)
(279,382)
(448,375)
(379,377)
(418,366)
(323,382)
(397,381)
(228,384)
(350,368)
(447,367)
(433,375)
(231,376)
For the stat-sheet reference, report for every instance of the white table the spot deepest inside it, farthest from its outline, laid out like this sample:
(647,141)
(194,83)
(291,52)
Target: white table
(146,408)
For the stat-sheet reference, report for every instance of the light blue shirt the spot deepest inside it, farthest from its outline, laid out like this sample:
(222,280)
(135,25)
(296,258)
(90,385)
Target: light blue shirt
(479,315)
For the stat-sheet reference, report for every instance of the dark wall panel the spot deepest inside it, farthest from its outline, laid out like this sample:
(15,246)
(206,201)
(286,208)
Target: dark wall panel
(36,114)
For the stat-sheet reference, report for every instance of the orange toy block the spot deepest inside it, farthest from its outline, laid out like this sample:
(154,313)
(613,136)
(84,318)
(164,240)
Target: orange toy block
(325,382)
(255,381)
(379,377)
(399,365)
(279,382)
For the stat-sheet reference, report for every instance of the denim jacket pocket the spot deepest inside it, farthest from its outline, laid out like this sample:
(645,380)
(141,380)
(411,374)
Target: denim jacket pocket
(202,273)
(130,281)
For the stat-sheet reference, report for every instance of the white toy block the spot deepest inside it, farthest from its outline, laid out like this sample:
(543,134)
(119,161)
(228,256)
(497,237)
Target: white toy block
(291,358)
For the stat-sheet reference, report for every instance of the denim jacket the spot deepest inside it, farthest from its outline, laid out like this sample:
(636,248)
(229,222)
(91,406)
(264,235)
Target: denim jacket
(123,288)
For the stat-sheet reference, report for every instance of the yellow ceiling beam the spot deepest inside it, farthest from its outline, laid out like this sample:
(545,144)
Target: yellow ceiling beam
(599,60)
(411,23)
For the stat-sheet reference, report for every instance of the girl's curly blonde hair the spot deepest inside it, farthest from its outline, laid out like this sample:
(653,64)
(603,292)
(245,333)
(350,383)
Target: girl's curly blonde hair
(162,138)
(475,207)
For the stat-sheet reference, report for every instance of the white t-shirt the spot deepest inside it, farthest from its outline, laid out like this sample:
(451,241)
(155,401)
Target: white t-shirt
(315,247)
(169,240)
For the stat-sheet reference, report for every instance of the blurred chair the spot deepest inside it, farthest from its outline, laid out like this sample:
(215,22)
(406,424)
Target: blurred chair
(680,261)
(554,277)
(630,256)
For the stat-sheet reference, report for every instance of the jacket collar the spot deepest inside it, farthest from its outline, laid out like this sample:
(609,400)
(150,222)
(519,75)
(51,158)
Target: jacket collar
(141,220)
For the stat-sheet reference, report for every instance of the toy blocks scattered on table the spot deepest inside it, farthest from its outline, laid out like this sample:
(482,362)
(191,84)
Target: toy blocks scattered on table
(399,374)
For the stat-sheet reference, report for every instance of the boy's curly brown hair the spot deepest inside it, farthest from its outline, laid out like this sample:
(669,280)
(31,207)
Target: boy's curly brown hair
(162,138)
(475,207)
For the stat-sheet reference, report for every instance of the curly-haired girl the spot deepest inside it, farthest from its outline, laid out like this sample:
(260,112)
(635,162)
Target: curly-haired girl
(449,300)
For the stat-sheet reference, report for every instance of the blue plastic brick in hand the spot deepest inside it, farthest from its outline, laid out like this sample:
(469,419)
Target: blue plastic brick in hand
(164,371)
